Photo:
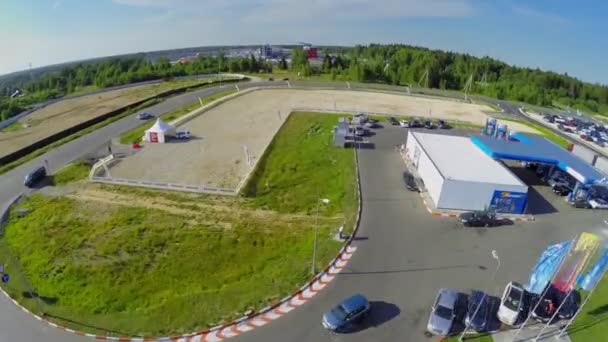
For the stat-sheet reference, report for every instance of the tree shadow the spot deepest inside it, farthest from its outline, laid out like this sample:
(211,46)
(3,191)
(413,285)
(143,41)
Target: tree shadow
(121,333)
(380,313)
(45,299)
(599,311)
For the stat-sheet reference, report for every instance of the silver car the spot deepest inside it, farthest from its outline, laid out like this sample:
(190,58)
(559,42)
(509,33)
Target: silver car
(443,312)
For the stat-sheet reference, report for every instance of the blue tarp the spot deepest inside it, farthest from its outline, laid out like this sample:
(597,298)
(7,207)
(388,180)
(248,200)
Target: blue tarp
(546,266)
(536,148)
(589,280)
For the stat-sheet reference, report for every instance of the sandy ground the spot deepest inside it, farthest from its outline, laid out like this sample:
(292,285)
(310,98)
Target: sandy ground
(70,112)
(216,156)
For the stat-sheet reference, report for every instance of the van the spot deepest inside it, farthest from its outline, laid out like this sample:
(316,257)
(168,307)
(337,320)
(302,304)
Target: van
(34,177)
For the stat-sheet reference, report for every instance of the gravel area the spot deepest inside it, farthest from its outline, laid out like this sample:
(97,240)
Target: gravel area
(215,155)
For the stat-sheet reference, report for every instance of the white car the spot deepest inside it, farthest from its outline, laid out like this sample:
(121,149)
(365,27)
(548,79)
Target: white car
(182,135)
(511,303)
(598,203)
(404,123)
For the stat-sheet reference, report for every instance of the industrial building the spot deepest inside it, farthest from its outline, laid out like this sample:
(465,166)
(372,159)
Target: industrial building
(459,175)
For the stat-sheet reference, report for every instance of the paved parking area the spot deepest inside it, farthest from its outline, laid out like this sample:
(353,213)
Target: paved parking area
(405,255)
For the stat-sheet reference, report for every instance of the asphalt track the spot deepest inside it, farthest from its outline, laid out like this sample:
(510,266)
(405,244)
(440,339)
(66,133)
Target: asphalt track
(404,255)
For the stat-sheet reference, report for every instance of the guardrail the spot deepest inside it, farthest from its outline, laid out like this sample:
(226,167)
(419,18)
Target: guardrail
(203,188)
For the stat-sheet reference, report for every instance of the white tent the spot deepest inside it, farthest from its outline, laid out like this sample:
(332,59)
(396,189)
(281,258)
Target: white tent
(158,132)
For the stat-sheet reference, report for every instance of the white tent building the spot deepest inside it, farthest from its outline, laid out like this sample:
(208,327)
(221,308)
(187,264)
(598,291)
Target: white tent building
(158,132)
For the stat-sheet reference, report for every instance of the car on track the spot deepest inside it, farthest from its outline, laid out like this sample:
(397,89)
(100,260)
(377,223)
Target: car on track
(344,315)
(428,124)
(144,116)
(446,311)
(511,303)
(34,177)
(478,313)
(393,121)
(479,219)
(182,135)
(415,123)
(404,123)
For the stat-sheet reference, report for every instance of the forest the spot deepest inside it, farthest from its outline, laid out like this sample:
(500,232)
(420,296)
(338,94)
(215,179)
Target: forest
(390,64)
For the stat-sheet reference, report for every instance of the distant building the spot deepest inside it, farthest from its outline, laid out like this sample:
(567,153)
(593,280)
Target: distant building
(266,51)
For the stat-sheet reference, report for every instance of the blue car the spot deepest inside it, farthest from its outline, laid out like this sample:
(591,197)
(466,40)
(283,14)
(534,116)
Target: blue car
(478,313)
(349,311)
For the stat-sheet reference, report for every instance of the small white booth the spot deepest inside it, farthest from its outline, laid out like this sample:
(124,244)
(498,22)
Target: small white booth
(158,132)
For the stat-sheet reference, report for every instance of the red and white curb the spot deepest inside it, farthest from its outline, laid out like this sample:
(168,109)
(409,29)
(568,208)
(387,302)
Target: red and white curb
(440,214)
(255,320)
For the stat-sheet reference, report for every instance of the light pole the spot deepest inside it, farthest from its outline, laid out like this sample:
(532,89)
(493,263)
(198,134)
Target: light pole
(314,247)
(466,328)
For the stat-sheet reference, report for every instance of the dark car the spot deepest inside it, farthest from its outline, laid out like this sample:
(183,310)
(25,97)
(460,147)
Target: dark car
(415,124)
(348,312)
(393,121)
(569,302)
(270,79)
(544,310)
(428,124)
(580,203)
(286,79)
(144,116)
(360,131)
(479,219)
(410,183)
(441,124)
(478,313)
(562,189)
(34,177)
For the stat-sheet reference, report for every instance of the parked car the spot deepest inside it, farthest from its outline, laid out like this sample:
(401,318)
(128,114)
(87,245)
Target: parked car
(569,302)
(542,311)
(479,219)
(350,311)
(446,311)
(393,121)
(182,135)
(404,123)
(511,303)
(415,123)
(441,124)
(562,189)
(598,203)
(428,124)
(359,131)
(286,79)
(34,177)
(410,183)
(580,203)
(478,312)
(144,116)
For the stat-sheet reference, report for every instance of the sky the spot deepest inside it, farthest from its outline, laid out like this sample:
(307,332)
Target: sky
(558,35)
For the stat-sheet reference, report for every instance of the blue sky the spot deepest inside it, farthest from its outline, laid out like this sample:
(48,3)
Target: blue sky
(564,36)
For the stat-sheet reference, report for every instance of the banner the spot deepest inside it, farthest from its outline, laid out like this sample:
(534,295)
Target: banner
(575,262)
(589,280)
(546,266)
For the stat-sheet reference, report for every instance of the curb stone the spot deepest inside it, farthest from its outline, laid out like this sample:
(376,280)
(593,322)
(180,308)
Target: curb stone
(254,320)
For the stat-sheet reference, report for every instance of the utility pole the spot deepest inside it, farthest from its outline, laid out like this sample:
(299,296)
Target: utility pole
(314,247)
(467,87)
(424,77)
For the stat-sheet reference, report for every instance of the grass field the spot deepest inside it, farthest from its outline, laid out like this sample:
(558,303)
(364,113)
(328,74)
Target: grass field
(301,165)
(137,133)
(129,261)
(592,323)
(544,131)
(72,172)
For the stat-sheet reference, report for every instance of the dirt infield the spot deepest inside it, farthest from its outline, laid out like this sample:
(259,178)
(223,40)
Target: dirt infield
(216,155)
(70,112)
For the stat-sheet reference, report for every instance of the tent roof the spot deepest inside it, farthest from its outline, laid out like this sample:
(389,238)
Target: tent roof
(161,127)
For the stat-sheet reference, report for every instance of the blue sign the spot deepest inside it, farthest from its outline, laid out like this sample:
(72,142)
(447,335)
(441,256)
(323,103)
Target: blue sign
(5,278)
(590,280)
(509,202)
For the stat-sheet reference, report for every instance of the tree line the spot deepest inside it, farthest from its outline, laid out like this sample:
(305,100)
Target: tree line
(390,64)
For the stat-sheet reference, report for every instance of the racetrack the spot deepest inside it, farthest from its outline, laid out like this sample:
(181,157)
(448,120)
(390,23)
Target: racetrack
(400,251)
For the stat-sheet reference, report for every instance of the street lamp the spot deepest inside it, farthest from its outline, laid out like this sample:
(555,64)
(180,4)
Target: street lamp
(314,248)
(466,328)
